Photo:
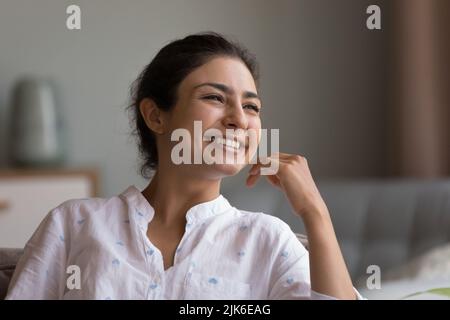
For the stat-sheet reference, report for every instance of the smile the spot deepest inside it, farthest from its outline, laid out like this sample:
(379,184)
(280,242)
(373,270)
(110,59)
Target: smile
(228,143)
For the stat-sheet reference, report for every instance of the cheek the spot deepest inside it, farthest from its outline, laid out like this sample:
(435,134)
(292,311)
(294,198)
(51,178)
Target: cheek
(255,122)
(255,125)
(207,116)
(198,109)
(187,114)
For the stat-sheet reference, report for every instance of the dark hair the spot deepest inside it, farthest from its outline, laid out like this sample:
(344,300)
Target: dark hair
(160,80)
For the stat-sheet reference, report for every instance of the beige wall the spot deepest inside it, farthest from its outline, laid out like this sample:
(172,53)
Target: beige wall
(323,73)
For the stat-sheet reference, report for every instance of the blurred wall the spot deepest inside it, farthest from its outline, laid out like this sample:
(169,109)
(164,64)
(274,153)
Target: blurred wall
(323,74)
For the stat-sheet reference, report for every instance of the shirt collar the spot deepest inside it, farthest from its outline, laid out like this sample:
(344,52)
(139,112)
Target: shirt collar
(143,209)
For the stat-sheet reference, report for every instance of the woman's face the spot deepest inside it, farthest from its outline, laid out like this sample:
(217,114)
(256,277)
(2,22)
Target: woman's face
(222,95)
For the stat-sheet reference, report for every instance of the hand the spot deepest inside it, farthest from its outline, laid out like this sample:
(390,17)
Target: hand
(329,273)
(294,179)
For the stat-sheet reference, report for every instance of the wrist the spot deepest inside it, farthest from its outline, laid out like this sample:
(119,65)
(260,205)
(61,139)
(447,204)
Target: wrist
(317,217)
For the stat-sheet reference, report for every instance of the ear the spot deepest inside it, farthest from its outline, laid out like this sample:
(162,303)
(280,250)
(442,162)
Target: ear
(153,116)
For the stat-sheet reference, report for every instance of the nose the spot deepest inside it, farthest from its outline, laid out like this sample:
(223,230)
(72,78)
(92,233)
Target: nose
(235,117)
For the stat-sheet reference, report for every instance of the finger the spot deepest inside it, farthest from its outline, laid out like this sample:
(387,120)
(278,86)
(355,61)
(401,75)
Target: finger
(274,181)
(256,173)
(265,162)
(251,180)
(254,169)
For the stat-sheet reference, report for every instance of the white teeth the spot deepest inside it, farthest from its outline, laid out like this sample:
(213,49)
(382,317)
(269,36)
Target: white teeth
(227,142)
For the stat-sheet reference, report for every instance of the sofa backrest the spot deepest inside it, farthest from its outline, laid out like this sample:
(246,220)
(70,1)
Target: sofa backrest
(378,222)
(8,261)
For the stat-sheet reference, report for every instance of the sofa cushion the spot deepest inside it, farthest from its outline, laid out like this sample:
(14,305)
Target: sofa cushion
(434,264)
(8,260)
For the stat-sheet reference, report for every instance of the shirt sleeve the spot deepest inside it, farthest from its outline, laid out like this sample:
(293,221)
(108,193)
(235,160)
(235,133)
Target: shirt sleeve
(290,278)
(40,272)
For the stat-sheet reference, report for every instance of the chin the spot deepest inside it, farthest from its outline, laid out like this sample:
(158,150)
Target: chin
(225,170)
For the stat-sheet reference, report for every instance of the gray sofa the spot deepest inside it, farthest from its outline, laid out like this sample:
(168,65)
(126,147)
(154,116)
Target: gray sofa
(377,222)
(8,260)
(381,222)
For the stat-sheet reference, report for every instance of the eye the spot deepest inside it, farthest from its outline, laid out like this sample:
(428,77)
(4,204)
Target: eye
(214,97)
(252,107)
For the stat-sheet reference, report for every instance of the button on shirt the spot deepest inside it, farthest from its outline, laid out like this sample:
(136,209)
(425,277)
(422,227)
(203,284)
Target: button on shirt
(98,249)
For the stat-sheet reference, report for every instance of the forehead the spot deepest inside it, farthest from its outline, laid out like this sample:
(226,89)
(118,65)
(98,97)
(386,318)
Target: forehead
(229,71)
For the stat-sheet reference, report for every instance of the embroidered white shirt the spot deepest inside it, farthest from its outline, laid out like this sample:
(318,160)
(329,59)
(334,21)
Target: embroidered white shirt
(225,253)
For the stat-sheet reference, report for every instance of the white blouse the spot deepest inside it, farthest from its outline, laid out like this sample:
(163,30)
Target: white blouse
(225,253)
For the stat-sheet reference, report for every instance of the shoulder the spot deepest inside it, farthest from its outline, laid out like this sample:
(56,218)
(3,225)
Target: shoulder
(263,223)
(76,209)
(272,234)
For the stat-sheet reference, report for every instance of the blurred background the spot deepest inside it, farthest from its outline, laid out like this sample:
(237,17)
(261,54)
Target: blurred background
(324,74)
(368,108)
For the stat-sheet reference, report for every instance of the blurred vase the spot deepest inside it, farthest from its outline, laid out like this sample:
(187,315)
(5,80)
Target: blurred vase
(36,137)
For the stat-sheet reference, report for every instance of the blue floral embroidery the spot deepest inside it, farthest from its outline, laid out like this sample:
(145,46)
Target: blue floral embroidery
(150,252)
(153,286)
(140,213)
(284,254)
(213,280)
(81,221)
(120,243)
(116,262)
(290,280)
(241,253)
(61,237)
(243,227)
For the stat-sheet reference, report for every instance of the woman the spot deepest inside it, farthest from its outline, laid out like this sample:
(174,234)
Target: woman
(179,238)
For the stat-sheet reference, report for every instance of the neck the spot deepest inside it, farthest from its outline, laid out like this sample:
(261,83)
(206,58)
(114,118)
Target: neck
(172,195)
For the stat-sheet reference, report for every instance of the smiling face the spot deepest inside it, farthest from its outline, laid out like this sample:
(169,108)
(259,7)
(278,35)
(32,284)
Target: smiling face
(222,95)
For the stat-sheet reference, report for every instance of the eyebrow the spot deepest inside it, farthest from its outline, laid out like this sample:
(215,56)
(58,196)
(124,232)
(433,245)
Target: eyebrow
(227,90)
